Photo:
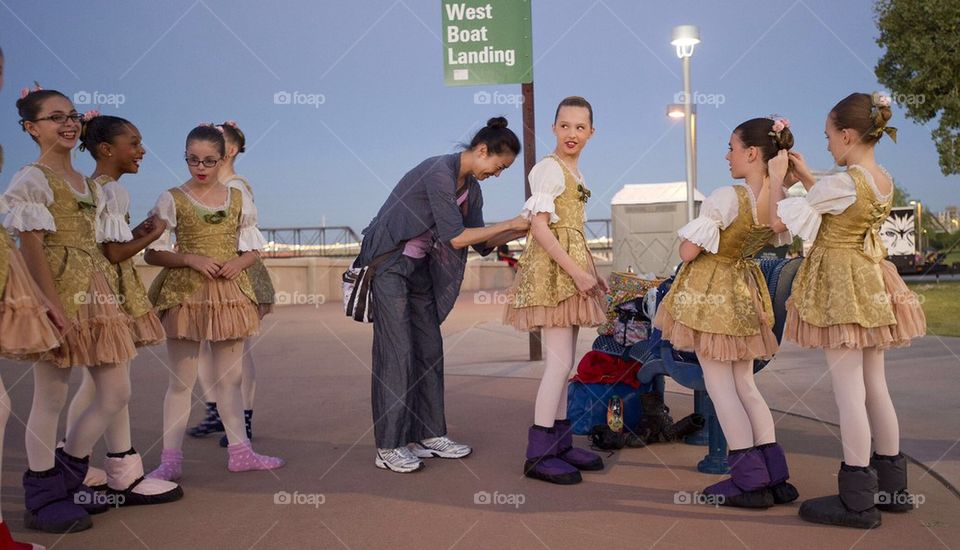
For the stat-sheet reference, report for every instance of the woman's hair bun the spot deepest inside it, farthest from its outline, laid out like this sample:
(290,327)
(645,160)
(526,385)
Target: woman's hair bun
(497,122)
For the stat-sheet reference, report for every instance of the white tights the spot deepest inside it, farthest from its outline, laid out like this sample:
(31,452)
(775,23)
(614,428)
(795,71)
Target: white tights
(863,400)
(226,360)
(248,384)
(560,345)
(111,385)
(743,414)
(117,431)
(4,416)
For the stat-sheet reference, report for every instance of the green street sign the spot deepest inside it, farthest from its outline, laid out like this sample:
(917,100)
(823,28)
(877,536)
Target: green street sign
(487,42)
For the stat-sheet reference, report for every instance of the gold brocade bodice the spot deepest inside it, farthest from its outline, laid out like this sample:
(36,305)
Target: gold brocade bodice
(858,227)
(72,251)
(540,281)
(569,204)
(744,237)
(207,233)
(204,232)
(720,293)
(840,282)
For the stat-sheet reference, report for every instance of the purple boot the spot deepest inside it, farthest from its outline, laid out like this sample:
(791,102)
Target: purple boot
(542,462)
(580,459)
(48,508)
(74,472)
(747,485)
(776,461)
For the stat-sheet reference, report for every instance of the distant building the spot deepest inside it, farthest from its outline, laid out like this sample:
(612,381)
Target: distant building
(950,217)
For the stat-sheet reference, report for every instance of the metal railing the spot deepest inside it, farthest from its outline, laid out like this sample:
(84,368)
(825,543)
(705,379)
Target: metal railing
(342,241)
(328,241)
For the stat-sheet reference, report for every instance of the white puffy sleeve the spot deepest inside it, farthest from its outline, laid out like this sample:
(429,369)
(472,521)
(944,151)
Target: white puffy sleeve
(26,200)
(250,237)
(166,210)
(830,195)
(112,223)
(546,184)
(716,213)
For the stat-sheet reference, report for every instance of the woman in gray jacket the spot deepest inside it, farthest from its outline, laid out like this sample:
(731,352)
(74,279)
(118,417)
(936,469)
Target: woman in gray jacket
(424,228)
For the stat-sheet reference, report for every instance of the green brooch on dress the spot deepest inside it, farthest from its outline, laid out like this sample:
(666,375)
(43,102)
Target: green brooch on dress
(583,192)
(215,217)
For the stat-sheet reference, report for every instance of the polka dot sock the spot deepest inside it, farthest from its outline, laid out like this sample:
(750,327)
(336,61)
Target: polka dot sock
(243,459)
(171,466)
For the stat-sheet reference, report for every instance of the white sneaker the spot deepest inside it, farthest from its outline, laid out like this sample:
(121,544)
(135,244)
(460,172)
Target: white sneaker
(400,460)
(440,447)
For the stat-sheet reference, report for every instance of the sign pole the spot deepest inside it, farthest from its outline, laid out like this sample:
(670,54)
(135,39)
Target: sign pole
(529,159)
(490,42)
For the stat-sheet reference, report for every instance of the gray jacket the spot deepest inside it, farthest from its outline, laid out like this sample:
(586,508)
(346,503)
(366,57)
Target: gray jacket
(424,200)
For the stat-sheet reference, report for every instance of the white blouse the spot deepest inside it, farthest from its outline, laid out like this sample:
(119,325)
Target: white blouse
(26,200)
(831,194)
(717,212)
(112,212)
(249,236)
(546,184)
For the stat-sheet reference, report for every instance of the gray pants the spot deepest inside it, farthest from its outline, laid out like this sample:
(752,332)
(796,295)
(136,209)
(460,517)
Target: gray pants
(407,393)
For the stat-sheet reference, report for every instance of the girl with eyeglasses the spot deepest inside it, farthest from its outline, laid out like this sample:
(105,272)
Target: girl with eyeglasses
(204,294)
(54,209)
(27,328)
(262,287)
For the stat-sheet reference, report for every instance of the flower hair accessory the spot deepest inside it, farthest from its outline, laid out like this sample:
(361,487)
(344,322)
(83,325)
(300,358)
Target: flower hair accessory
(90,115)
(776,131)
(24,92)
(231,123)
(880,100)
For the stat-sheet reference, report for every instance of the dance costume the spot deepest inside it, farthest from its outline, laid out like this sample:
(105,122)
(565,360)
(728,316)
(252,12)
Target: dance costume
(191,306)
(113,225)
(40,200)
(544,295)
(718,304)
(846,294)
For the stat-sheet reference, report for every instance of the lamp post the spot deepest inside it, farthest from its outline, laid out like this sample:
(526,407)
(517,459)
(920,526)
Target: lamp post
(685,37)
(919,209)
(678,111)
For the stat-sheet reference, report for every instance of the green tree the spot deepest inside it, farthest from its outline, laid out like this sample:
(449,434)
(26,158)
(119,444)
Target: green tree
(921,66)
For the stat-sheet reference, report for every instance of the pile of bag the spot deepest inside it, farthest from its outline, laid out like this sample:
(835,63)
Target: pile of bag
(629,310)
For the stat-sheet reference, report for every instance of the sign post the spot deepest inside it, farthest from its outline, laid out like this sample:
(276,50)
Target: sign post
(491,42)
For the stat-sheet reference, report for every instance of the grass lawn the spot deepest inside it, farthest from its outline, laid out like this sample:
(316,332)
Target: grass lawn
(941,304)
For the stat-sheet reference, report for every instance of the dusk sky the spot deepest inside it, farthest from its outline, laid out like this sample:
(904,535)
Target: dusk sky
(372,101)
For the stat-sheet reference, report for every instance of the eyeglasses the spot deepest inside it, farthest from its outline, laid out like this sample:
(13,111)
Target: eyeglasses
(207,163)
(60,118)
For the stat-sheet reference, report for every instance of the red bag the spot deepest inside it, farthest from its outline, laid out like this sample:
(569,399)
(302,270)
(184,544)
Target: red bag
(597,367)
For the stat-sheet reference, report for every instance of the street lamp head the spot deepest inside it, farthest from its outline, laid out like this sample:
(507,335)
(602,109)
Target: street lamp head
(685,37)
(675,110)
